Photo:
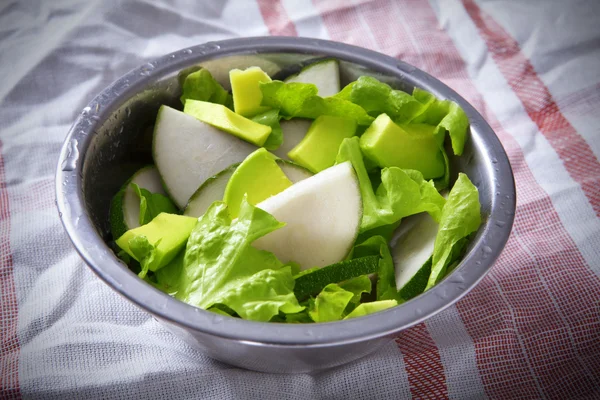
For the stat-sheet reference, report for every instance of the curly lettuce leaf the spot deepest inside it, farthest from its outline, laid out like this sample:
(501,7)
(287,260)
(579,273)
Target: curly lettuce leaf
(221,267)
(461,216)
(200,85)
(456,123)
(386,278)
(378,98)
(434,109)
(370,308)
(152,204)
(271,118)
(300,100)
(400,194)
(330,304)
(143,251)
(357,286)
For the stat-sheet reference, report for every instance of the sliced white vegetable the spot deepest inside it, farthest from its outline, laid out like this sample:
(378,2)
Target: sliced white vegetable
(210,191)
(187,152)
(213,188)
(293,131)
(322,216)
(324,74)
(412,246)
(125,210)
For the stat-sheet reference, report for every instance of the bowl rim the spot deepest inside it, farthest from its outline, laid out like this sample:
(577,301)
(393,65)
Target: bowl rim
(485,247)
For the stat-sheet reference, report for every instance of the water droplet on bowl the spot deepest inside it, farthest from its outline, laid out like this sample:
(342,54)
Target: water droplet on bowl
(211,46)
(500,223)
(86,110)
(187,51)
(494,161)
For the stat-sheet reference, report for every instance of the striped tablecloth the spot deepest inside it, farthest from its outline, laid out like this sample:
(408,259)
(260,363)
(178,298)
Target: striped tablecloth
(531,329)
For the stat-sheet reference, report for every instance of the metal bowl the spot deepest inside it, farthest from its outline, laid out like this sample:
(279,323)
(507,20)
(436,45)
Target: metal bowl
(109,141)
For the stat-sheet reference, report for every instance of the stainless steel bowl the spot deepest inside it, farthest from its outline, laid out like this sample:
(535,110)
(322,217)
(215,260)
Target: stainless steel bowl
(109,140)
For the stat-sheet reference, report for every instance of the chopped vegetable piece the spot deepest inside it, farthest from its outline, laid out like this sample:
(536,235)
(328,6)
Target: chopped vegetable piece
(318,149)
(322,216)
(200,85)
(247,95)
(223,118)
(330,304)
(222,267)
(166,234)
(461,216)
(301,100)
(400,194)
(271,118)
(257,178)
(410,146)
(312,282)
(152,204)
(325,75)
(370,308)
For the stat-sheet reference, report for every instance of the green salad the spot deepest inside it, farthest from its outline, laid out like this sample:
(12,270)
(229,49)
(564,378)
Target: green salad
(298,201)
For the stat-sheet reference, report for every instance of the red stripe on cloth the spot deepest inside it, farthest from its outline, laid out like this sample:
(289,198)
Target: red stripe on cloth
(352,25)
(573,150)
(276,19)
(9,342)
(423,364)
(534,328)
(343,22)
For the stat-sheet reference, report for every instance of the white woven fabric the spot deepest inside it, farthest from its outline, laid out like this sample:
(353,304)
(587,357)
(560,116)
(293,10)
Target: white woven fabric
(530,329)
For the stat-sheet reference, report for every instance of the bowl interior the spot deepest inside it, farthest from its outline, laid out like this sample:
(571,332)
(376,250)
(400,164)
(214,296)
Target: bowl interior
(112,138)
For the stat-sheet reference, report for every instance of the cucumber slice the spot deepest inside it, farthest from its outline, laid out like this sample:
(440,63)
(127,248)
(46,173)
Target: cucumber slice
(125,206)
(213,188)
(325,75)
(312,282)
(210,191)
(412,248)
(293,131)
(187,152)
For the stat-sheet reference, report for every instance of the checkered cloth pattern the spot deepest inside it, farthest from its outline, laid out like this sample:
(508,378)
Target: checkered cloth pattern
(529,330)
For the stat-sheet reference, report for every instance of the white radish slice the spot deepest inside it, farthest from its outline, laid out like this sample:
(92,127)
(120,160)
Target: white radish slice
(412,246)
(125,208)
(323,74)
(187,152)
(293,131)
(213,188)
(322,216)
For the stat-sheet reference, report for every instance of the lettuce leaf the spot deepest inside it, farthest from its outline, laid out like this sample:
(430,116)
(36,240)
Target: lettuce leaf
(271,118)
(370,308)
(400,194)
(377,98)
(434,109)
(200,85)
(461,216)
(167,277)
(143,251)
(386,275)
(300,100)
(152,204)
(221,267)
(330,304)
(357,286)
(456,123)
